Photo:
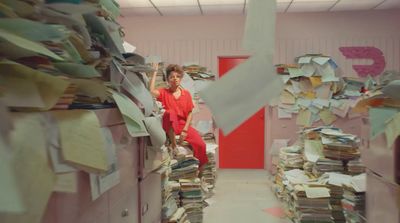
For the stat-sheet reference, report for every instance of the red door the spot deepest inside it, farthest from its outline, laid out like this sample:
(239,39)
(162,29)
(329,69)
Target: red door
(244,147)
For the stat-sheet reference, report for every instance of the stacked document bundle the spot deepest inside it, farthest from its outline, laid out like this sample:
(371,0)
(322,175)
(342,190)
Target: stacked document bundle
(311,203)
(355,167)
(354,206)
(197,72)
(327,165)
(336,193)
(169,205)
(339,145)
(179,216)
(210,169)
(290,158)
(184,168)
(192,199)
(175,190)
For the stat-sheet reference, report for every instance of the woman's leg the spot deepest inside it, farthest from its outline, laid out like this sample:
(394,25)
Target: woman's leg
(170,123)
(198,145)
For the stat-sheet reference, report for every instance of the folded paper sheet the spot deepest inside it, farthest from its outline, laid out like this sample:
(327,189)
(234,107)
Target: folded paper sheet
(81,139)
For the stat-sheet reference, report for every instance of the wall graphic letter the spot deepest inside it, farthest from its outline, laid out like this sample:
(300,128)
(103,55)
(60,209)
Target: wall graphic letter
(371,53)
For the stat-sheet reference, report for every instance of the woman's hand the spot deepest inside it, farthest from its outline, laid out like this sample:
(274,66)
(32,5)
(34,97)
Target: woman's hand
(155,67)
(182,137)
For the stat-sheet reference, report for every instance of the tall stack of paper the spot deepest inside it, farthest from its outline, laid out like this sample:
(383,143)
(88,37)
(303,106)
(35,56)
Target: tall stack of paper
(353,204)
(192,199)
(179,216)
(175,190)
(210,170)
(336,193)
(169,205)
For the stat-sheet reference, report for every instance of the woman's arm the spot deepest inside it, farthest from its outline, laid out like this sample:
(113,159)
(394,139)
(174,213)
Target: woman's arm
(153,89)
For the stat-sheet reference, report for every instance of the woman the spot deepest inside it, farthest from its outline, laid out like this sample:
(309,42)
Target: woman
(178,107)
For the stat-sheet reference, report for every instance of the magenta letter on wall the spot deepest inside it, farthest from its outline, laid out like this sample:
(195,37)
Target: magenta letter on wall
(371,53)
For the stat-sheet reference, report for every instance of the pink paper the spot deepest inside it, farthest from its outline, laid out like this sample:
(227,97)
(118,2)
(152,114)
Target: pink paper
(276,212)
(372,53)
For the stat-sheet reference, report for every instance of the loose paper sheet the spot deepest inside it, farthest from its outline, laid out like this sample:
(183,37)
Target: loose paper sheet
(304,118)
(27,44)
(392,130)
(313,150)
(231,106)
(66,182)
(259,35)
(316,192)
(379,118)
(35,179)
(131,114)
(327,116)
(81,139)
(51,88)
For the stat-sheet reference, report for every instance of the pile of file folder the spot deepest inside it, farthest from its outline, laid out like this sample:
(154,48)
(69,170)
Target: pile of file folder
(313,187)
(192,199)
(311,207)
(197,72)
(185,168)
(353,204)
(210,170)
(179,216)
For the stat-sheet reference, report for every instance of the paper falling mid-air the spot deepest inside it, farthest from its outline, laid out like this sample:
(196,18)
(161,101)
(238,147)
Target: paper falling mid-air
(251,85)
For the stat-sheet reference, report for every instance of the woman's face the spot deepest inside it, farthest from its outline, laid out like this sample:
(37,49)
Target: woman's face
(174,79)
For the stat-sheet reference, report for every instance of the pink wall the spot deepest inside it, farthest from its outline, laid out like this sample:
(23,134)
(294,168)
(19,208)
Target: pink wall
(203,38)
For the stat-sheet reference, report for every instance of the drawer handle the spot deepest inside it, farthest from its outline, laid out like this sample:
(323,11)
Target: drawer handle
(125,213)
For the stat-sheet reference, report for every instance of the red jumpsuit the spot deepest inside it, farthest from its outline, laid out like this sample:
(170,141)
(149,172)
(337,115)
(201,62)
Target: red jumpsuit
(175,116)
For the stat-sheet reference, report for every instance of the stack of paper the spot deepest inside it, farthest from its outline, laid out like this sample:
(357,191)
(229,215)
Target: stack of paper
(328,165)
(192,199)
(184,168)
(210,170)
(290,158)
(311,204)
(197,72)
(175,190)
(179,216)
(355,167)
(339,146)
(169,205)
(336,193)
(353,204)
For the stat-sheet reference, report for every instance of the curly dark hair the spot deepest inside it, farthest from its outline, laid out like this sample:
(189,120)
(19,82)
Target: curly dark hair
(174,68)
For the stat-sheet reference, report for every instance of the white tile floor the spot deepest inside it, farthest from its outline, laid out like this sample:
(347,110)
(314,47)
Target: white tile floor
(240,196)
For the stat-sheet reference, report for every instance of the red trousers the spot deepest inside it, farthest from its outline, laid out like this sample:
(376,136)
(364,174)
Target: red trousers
(171,120)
